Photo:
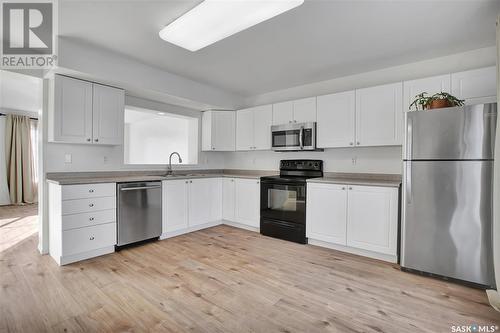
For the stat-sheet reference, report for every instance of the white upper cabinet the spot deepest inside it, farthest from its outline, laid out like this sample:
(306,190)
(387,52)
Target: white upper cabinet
(304,110)
(373,219)
(336,120)
(475,86)
(430,85)
(297,111)
(107,115)
(71,117)
(218,131)
(85,112)
(379,115)
(253,128)
(282,113)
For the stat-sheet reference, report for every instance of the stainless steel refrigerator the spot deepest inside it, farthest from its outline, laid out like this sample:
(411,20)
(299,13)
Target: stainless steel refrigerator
(448,192)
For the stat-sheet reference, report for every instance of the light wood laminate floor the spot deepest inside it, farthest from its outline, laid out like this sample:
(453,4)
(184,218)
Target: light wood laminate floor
(225,279)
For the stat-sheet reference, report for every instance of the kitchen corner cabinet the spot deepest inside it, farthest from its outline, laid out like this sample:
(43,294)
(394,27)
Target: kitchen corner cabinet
(190,204)
(475,86)
(85,112)
(379,115)
(430,85)
(218,131)
(297,111)
(358,219)
(336,120)
(241,201)
(253,128)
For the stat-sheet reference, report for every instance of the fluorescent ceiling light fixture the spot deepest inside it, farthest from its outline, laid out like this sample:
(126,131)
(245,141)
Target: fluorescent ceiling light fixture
(214,20)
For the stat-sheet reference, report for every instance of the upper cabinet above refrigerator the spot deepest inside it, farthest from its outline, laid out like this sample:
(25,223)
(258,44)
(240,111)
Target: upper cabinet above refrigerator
(475,86)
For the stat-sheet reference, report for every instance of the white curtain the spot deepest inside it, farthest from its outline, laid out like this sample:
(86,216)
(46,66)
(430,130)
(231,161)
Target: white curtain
(4,189)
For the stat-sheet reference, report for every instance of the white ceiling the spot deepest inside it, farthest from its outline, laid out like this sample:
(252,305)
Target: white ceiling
(322,39)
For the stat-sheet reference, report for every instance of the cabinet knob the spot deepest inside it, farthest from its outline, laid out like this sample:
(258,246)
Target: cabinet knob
(187,182)
(91,191)
(232,180)
(343,188)
(351,143)
(191,181)
(96,140)
(258,182)
(350,188)
(91,238)
(358,143)
(213,148)
(91,205)
(88,139)
(91,219)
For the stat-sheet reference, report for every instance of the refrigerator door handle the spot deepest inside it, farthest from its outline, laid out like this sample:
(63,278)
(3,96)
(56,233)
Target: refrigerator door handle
(409,139)
(408,183)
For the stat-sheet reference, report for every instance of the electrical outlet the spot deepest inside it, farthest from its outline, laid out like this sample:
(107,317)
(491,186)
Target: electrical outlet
(67,158)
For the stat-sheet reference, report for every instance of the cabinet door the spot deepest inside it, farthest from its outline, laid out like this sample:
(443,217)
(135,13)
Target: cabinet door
(282,113)
(336,125)
(71,120)
(244,129)
(207,132)
(379,115)
(430,85)
(199,201)
(326,218)
(228,199)
(372,218)
(475,86)
(175,205)
(304,110)
(107,115)
(223,127)
(247,202)
(262,120)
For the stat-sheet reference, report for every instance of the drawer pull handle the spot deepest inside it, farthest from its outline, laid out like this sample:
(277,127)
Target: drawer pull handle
(91,238)
(91,205)
(91,191)
(91,219)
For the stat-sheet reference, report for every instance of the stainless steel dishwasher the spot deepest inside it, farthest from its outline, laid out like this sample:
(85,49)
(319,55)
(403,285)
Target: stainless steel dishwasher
(139,211)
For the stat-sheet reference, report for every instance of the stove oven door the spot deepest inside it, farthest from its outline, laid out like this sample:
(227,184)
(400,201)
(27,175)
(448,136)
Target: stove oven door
(283,201)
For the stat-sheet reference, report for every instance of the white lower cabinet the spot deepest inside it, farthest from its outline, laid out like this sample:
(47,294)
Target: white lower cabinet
(82,221)
(247,202)
(228,198)
(190,204)
(357,219)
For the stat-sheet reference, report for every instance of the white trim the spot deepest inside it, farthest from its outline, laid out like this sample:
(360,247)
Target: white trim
(167,234)
(352,250)
(240,225)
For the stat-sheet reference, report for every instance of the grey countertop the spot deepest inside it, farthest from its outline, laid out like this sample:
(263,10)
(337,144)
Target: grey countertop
(367,179)
(73,178)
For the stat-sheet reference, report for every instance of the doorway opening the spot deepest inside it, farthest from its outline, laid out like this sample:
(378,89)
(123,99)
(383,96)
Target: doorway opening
(20,107)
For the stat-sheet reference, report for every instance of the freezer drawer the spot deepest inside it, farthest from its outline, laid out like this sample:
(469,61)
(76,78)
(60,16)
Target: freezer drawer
(139,211)
(447,222)
(457,133)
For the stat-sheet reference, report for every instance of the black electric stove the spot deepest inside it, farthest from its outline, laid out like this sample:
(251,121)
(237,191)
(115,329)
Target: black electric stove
(283,200)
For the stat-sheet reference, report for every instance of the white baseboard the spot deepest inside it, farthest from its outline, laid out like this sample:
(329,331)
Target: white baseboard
(179,232)
(352,250)
(240,225)
(64,260)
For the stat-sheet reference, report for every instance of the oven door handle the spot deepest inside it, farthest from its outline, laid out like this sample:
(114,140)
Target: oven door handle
(301,137)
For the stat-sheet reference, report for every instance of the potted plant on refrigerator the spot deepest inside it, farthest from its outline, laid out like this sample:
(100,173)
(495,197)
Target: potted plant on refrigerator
(439,100)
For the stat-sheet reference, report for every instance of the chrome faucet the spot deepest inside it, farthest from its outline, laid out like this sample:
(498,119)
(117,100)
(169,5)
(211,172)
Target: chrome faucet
(169,170)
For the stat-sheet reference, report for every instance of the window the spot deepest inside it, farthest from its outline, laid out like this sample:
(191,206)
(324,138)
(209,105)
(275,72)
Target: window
(151,136)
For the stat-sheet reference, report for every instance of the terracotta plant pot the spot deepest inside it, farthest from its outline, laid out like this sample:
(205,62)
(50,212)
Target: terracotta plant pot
(439,103)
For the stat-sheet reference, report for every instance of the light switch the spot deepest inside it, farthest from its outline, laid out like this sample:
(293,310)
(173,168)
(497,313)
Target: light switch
(67,158)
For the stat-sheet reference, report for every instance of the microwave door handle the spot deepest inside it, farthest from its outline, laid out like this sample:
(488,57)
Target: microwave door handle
(301,138)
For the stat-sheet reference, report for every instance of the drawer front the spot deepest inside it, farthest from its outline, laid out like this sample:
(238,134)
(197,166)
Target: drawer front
(88,238)
(88,219)
(70,192)
(87,205)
